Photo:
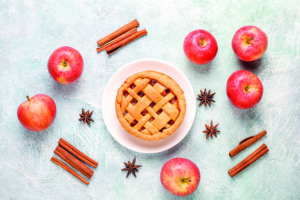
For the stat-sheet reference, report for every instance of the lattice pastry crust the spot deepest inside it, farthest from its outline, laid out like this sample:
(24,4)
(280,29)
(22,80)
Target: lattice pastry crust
(150,105)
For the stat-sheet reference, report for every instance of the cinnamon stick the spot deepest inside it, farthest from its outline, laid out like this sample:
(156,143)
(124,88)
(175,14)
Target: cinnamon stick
(68,169)
(121,37)
(73,161)
(262,150)
(77,153)
(246,143)
(113,48)
(120,31)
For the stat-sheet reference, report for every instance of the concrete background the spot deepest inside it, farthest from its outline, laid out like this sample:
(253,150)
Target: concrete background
(31,30)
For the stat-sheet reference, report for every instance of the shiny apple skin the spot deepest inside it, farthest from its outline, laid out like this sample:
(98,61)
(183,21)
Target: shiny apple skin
(38,113)
(174,171)
(74,65)
(249,43)
(200,47)
(244,89)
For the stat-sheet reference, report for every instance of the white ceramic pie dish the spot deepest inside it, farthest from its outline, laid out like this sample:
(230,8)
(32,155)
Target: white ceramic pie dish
(109,114)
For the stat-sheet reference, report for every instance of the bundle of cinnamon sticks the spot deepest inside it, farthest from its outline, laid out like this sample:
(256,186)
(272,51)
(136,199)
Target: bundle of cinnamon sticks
(262,150)
(120,37)
(74,158)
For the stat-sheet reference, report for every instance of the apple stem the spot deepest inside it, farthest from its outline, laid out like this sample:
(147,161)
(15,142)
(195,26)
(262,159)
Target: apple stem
(249,40)
(247,88)
(28,98)
(65,64)
(201,41)
(186,180)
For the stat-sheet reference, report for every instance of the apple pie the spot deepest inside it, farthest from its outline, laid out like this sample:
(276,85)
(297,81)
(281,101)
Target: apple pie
(150,105)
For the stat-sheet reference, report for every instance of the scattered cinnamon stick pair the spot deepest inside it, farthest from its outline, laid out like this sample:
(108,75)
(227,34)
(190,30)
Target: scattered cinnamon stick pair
(75,158)
(262,150)
(120,37)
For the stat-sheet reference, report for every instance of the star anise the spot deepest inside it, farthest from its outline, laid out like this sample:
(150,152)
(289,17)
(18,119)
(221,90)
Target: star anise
(131,168)
(86,117)
(205,98)
(211,130)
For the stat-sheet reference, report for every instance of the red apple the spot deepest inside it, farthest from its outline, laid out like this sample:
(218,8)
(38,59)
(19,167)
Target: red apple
(37,113)
(244,89)
(180,176)
(65,65)
(200,46)
(249,43)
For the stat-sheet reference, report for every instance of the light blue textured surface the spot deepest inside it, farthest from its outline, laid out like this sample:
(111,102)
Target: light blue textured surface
(31,30)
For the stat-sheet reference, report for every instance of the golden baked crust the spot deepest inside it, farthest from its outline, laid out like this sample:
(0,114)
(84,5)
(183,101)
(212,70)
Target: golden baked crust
(150,105)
